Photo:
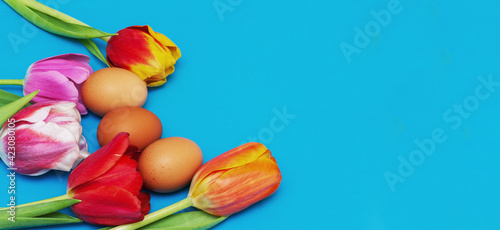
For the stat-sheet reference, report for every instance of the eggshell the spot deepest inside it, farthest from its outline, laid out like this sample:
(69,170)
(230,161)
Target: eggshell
(111,88)
(169,164)
(143,126)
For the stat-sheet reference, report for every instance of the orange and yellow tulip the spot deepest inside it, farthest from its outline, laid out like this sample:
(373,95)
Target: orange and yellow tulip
(235,180)
(148,54)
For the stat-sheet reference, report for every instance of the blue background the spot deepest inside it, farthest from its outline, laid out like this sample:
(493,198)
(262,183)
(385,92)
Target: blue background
(354,118)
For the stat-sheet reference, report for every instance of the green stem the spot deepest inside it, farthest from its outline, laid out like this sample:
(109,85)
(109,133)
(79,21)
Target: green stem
(11,82)
(65,196)
(158,215)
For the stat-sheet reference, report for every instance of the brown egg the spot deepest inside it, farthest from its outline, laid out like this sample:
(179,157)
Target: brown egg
(111,88)
(143,126)
(169,164)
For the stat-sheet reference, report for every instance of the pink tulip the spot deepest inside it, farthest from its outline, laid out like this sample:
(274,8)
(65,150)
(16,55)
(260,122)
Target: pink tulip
(59,78)
(44,136)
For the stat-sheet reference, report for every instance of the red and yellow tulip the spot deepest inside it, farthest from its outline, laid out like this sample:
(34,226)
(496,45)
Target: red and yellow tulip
(148,54)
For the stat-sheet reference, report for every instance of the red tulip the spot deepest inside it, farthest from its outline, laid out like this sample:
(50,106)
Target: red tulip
(108,185)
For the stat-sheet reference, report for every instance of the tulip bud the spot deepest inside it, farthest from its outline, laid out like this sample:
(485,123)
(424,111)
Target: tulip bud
(235,180)
(148,54)
(59,78)
(108,185)
(44,136)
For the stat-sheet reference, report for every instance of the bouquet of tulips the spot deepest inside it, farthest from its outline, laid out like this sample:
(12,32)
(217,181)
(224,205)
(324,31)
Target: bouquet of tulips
(105,187)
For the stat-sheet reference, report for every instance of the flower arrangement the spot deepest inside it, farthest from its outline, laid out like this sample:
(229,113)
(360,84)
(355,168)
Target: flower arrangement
(106,187)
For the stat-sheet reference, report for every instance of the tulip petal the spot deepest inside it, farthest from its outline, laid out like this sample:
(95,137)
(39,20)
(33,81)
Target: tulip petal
(66,117)
(47,81)
(120,55)
(59,78)
(37,112)
(82,144)
(204,184)
(79,104)
(240,187)
(61,113)
(236,157)
(73,66)
(36,155)
(164,40)
(122,175)
(99,162)
(47,137)
(166,53)
(83,154)
(69,57)
(42,110)
(108,206)
(146,206)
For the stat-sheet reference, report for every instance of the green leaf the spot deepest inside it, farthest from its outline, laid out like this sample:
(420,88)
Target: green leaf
(196,220)
(92,47)
(38,209)
(54,21)
(45,220)
(10,109)
(6,98)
